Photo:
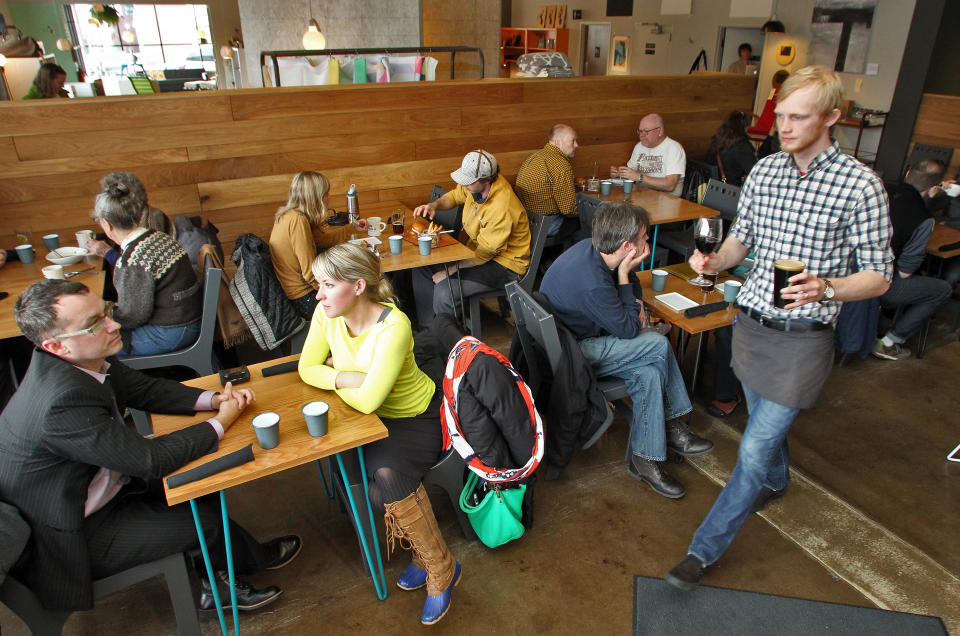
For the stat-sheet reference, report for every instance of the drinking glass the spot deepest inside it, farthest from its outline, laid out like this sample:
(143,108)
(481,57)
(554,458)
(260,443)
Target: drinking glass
(707,232)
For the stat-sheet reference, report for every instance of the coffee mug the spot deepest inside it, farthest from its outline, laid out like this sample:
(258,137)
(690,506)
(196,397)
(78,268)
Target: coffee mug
(315,414)
(267,427)
(25,253)
(396,244)
(377,226)
(52,241)
(659,279)
(730,290)
(426,243)
(605,187)
(627,186)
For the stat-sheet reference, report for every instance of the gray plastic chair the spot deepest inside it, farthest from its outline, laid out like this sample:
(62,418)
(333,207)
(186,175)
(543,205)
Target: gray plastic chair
(718,196)
(587,207)
(929,151)
(199,356)
(448,473)
(451,219)
(43,622)
(536,327)
(538,239)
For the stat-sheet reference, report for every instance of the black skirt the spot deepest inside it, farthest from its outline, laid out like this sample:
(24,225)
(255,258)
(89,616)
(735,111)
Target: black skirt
(413,445)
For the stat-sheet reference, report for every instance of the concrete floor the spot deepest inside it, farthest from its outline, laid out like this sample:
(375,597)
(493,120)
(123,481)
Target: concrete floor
(870,520)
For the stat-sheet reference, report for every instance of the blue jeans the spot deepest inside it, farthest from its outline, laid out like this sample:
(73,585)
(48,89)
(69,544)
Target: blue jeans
(653,379)
(763,460)
(922,297)
(148,340)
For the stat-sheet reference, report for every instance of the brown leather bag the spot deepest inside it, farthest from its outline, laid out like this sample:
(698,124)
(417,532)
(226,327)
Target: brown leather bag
(20,47)
(232,327)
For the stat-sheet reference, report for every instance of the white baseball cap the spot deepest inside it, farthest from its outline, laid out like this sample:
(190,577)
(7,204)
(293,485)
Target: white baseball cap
(477,164)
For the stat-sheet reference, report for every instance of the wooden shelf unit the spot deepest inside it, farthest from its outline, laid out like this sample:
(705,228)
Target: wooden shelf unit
(516,41)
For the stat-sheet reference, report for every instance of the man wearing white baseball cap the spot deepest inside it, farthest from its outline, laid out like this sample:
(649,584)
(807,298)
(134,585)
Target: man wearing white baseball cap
(498,230)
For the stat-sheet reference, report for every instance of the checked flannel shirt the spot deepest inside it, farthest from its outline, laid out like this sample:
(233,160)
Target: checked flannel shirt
(835,218)
(545,183)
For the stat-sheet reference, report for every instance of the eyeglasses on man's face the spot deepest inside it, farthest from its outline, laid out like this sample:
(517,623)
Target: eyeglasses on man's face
(93,329)
(644,131)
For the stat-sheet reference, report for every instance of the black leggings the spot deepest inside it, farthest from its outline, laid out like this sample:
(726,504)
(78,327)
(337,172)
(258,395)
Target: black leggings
(388,485)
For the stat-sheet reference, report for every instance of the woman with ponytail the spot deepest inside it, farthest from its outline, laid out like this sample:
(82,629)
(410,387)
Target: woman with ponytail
(361,346)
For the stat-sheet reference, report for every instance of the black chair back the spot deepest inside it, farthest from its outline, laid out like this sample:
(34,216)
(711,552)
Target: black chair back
(451,219)
(723,197)
(587,206)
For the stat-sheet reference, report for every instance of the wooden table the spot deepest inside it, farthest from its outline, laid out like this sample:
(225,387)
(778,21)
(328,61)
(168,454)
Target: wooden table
(284,394)
(15,277)
(661,206)
(677,282)
(943,235)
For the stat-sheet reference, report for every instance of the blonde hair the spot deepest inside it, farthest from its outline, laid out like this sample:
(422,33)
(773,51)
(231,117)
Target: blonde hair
(350,263)
(829,90)
(307,192)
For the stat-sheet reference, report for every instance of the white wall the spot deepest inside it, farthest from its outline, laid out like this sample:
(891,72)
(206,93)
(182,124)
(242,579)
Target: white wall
(684,36)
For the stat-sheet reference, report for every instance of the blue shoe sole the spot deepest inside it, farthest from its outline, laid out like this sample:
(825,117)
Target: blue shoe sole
(446,593)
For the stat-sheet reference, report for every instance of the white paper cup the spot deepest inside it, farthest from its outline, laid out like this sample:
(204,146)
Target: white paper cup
(953,190)
(53,271)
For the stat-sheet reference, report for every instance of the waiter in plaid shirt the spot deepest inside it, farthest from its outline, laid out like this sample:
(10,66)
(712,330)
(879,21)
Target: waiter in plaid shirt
(813,204)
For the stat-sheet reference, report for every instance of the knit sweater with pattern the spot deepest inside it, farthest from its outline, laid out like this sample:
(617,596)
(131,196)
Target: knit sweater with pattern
(156,284)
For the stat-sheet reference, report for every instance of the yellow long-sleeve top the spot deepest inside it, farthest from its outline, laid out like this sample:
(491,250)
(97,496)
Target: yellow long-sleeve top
(293,246)
(394,387)
(498,228)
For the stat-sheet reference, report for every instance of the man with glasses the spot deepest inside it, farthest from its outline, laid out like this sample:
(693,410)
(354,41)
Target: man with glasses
(657,161)
(90,486)
(498,230)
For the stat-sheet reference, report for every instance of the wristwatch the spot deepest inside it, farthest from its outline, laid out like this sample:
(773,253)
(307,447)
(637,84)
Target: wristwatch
(828,290)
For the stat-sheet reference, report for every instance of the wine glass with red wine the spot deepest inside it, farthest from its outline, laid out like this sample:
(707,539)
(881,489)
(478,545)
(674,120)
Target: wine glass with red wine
(707,233)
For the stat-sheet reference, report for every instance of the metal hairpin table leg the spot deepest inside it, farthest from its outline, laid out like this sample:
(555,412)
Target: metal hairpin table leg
(210,574)
(376,573)
(653,246)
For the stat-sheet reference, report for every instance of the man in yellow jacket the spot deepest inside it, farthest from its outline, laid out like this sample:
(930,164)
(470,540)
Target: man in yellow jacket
(498,230)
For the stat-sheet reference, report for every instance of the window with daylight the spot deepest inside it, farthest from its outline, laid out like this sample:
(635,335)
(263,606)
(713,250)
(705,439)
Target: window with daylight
(147,37)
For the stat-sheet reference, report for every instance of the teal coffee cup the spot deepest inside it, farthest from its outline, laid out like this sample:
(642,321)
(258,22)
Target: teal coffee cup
(730,290)
(659,279)
(627,186)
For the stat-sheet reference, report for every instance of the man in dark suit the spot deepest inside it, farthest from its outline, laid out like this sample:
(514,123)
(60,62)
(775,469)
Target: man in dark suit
(89,485)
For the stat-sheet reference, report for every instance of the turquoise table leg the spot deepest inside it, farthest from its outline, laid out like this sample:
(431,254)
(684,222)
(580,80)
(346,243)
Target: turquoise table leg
(323,478)
(379,580)
(230,573)
(653,247)
(209,566)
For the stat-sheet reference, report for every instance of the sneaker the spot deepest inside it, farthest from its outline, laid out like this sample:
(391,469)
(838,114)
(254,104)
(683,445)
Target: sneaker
(895,352)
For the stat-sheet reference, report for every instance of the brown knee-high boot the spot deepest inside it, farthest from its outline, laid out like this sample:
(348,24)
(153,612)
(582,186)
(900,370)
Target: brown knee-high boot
(411,521)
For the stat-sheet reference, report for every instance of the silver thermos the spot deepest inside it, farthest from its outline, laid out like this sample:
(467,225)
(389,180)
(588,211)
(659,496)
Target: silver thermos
(353,206)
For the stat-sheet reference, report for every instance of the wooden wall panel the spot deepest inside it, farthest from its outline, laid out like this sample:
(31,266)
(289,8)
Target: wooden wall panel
(229,156)
(937,124)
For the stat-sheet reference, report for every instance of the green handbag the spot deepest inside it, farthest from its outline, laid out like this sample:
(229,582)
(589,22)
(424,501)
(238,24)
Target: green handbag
(496,519)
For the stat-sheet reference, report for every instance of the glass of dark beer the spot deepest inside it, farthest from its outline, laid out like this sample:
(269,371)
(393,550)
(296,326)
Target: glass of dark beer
(707,232)
(396,220)
(783,269)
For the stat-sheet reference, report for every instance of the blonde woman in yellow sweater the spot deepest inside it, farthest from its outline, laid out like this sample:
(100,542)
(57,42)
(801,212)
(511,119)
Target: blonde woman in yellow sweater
(361,346)
(300,227)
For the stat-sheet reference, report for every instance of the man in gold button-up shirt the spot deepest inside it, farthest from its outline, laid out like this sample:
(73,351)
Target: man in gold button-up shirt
(545,181)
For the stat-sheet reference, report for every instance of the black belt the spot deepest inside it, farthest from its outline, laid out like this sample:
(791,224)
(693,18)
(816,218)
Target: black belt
(784,324)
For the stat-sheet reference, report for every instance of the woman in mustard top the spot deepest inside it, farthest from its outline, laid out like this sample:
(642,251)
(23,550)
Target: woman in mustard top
(298,227)
(361,346)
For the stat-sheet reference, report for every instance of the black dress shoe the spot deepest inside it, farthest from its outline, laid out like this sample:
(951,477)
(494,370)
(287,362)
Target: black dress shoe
(766,496)
(682,440)
(284,550)
(248,597)
(653,473)
(686,574)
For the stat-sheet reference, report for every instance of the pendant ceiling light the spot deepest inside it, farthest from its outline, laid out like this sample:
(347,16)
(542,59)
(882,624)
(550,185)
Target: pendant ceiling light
(313,39)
